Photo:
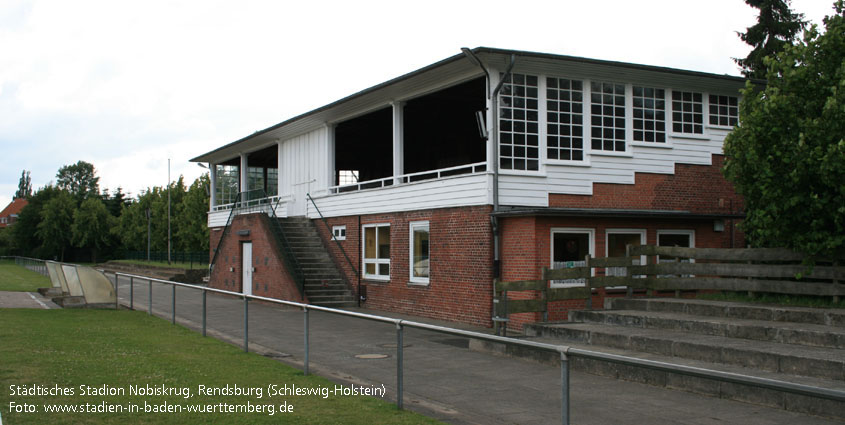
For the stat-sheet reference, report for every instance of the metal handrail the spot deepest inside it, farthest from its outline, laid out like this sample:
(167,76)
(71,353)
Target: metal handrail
(232,213)
(326,223)
(564,350)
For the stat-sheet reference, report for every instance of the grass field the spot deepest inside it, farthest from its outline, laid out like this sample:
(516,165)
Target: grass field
(16,278)
(115,349)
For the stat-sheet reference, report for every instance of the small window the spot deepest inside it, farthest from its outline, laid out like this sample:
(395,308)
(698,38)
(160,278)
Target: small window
(676,238)
(724,110)
(687,112)
(377,251)
(569,249)
(419,255)
(339,232)
(617,244)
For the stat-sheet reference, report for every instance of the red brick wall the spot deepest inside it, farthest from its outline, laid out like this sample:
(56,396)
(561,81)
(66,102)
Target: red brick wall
(694,188)
(270,278)
(526,248)
(461,254)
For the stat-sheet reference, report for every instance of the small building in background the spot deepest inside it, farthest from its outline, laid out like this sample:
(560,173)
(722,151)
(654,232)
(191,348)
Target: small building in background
(9,215)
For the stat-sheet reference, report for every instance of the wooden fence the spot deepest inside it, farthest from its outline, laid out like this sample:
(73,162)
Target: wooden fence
(769,270)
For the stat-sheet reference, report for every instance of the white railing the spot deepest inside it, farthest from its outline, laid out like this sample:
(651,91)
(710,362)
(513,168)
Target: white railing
(269,201)
(476,168)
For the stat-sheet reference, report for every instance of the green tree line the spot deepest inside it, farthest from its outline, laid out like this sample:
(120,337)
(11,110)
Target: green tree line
(73,220)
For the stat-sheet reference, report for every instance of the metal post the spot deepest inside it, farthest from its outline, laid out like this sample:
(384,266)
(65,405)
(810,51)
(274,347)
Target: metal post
(203,311)
(564,389)
(116,299)
(305,331)
(150,298)
(173,305)
(246,324)
(131,291)
(399,352)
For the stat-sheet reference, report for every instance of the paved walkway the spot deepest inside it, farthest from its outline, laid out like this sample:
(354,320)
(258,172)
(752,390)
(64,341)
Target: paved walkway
(25,300)
(442,378)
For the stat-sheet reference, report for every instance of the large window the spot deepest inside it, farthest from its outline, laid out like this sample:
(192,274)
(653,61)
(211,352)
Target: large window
(227,184)
(724,110)
(564,114)
(569,249)
(519,133)
(272,181)
(419,255)
(687,112)
(607,114)
(377,251)
(649,114)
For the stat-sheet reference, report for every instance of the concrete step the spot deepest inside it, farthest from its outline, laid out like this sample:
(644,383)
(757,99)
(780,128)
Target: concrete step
(767,356)
(774,313)
(767,397)
(70,301)
(761,330)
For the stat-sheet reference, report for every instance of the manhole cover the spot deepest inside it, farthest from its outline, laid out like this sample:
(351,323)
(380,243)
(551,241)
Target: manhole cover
(393,345)
(371,356)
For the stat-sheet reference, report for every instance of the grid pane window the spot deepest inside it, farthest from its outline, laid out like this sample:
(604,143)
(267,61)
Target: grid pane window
(564,115)
(687,112)
(519,135)
(724,110)
(649,114)
(377,251)
(608,116)
(227,184)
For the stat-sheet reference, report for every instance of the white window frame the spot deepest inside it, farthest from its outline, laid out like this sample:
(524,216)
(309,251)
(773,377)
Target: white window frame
(376,261)
(544,118)
(336,230)
(670,118)
(626,95)
(591,235)
(607,232)
(540,98)
(415,225)
(707,106)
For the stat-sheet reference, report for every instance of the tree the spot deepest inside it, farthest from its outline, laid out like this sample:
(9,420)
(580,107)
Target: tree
(787,156)
(192,221)
(91,226)
(24,186)
(25,231)
(55,226)
(79,179)
(776,28)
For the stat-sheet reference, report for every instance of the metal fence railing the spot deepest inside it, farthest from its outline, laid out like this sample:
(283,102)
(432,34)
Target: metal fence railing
(193,257)
(564,351)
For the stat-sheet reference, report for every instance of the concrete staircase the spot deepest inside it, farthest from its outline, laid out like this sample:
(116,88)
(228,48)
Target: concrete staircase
(800,345)
(324,284)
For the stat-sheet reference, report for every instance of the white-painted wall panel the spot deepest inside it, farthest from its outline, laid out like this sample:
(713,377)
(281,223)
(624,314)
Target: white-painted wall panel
(449,192)
(303,168)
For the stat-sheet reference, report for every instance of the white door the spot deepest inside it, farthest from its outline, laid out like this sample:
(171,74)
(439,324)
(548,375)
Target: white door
(247,273)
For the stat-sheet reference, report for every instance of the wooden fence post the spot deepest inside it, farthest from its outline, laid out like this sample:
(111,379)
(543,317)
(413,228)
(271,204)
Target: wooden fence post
(629,291)
(546,285)
(587,282)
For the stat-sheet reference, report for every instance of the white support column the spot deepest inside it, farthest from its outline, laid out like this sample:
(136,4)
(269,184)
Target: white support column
(212,175)
(244,185)
(331,171)
(398,140)
(280,179)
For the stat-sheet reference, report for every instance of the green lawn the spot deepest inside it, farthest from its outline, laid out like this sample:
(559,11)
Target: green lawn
(120,348)
(16,278)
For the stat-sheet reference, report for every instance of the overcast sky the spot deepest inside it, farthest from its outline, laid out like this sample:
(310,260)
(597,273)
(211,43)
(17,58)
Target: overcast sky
(126,85)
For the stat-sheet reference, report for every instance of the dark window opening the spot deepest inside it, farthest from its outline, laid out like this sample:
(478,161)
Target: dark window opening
(441,130)
(263,173)
(365,144)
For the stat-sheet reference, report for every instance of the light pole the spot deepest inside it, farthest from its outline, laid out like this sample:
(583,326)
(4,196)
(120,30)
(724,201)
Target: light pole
(168,211)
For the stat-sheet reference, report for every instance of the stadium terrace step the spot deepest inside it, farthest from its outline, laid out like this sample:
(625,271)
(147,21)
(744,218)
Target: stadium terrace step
(793,344)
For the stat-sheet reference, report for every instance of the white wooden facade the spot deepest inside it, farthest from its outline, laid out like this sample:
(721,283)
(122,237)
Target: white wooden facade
(306,162)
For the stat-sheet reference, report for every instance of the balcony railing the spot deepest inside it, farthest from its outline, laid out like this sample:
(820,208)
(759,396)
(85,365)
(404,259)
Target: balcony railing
(476,168)
(252,204)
